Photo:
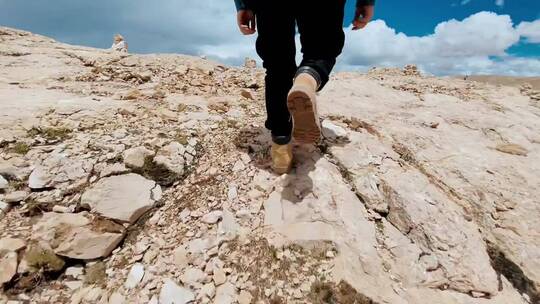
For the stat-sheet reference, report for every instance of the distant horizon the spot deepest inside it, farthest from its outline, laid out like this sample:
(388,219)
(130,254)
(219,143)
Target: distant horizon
(503,38)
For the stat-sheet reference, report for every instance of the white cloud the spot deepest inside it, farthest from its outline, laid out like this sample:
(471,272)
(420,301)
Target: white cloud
(530,30)
(499,3)
(476,45)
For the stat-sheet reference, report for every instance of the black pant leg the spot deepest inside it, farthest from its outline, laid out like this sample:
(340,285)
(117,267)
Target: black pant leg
(276,47)
(320,24)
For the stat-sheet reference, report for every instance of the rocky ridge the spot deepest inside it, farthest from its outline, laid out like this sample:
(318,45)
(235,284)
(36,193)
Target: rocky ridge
(145,179)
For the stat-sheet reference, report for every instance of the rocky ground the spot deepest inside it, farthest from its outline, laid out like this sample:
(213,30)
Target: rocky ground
(146,179)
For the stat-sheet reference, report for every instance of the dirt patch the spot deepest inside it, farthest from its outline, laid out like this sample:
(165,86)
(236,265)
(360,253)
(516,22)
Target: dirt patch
(330,293)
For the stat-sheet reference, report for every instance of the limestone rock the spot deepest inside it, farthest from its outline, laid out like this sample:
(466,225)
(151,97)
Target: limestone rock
(209,290)
(39,178)
(3,183)
(117,298)
(212,217)
(8,264)
(11,244)
(114,169)
(135,276)
(74,271)
(172,157)
(123,197)
(171,293)
(135,157)
(180,257)
(219,276)
(16,196)
(228,227)
(192,276)
(78,236)
(225,294)
(245,297)
(332,131)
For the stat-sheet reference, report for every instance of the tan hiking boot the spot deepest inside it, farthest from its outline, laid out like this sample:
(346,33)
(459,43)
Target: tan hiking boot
(302,105)
(282,158)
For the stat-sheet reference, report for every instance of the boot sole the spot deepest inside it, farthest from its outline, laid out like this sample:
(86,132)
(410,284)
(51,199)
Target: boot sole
(306,126)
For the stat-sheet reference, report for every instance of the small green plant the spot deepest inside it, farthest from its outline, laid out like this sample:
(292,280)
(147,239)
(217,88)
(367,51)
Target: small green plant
(20,148)
(95,274)
(51,133)
(44,260)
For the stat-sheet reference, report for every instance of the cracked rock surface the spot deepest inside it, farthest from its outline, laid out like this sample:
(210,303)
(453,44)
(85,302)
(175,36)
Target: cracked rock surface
(146,179)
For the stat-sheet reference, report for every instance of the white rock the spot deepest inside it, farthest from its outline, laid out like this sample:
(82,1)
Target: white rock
(245,158)
(119,134)
(11,244)
(75,235)
(171,293)
(3,183)
(332,131)
(16,196)
(225,294)
(219,276)
(4,207)
(232,193)
(245,297)
(123,197)
(180,256)
(39,178)
(212,217)
(74,271)
(184,215)
(61,209)
(73,285)
(135,276)
(8,265)
(228,227)
(141,247)
(153,300)
(93,295)
(135,157)
(172,157)
(239,166)
(209,290)
(114,169)
(117,298)
(192,276)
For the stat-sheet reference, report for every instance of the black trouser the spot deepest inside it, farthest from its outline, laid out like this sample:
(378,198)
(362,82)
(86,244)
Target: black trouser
(320,24)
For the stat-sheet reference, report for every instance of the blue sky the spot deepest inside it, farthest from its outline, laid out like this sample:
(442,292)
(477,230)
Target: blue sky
(503,37)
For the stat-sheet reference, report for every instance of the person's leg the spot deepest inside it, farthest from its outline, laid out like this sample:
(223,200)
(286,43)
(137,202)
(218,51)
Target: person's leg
(276,47)
(322,37)
(321,34)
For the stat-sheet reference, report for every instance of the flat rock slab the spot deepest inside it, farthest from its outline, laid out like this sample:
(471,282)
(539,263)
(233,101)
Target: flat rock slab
(78,236)
(8,266)
(11,244)
(124,197)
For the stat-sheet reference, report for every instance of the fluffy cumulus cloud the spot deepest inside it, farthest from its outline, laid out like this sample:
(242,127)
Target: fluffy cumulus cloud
(475,45)
(530,30)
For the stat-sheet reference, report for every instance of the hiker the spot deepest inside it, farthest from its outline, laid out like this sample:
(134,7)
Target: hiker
(291,90)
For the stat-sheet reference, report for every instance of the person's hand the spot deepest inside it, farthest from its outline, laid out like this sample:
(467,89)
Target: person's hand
(246,22)
(363,16)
